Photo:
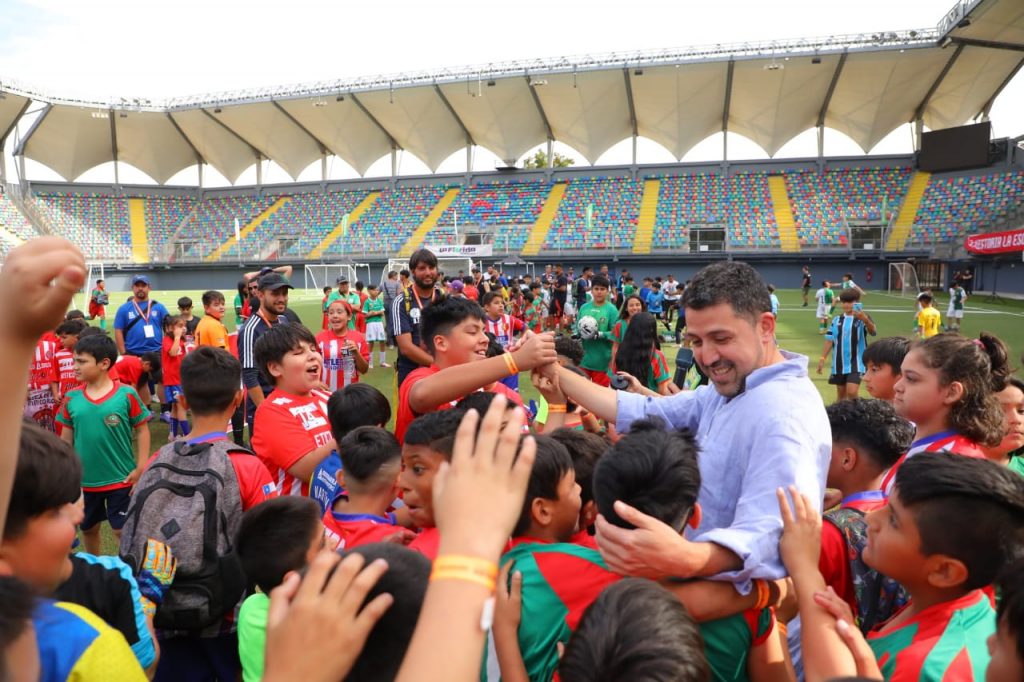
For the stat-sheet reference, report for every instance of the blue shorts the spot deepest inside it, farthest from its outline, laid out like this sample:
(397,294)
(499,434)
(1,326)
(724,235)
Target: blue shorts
(106,505)
(172,393)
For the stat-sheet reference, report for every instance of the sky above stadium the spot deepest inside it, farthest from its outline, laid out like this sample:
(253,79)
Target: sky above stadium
(152,48)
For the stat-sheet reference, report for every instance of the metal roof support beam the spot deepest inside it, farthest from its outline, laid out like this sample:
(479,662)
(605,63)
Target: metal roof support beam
(458,121)
(991,100)
(199,157)
(919,112)
(374,121)
(256,152)
(831,89)
(725,110)
(540,111)
(14,123)
(321,145)
(113,144)
(632,108)
(20,149)
(991,44)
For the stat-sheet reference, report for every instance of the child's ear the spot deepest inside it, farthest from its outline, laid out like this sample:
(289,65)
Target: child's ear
(539,511)
(695,516)
(945,572)
(441,343)
(954,393)
(275,369)
(848,460)
(339,476)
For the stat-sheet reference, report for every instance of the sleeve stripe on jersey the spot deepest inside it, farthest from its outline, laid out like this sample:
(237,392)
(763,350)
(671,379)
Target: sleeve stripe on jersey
(248,361)
(396,313)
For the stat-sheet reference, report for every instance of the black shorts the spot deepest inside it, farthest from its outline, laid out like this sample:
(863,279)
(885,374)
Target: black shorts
(843,379)
(806,288)
(108,505)
(556,308)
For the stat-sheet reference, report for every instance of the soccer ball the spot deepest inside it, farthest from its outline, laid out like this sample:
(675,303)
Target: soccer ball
(588,328)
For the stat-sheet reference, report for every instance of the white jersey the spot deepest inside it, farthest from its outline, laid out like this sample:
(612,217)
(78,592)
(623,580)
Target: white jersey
(822,310)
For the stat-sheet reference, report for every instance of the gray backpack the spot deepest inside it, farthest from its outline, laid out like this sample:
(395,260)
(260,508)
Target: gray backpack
(188,498)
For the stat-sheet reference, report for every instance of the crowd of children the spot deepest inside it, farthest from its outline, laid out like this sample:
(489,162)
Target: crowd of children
(480,539)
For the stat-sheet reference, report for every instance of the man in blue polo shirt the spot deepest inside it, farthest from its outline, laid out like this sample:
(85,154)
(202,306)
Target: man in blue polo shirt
(138,325)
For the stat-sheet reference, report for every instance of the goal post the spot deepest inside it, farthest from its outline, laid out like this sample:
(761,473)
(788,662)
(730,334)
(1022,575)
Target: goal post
(449,266)
(903,279)
(94,271)
(319,275)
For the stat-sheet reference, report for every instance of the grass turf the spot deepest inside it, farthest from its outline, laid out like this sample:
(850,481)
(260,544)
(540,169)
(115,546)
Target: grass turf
(797,331)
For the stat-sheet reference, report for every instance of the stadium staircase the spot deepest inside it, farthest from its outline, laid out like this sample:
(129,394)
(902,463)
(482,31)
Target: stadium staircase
(783,214)
(539,232)
(421,232)
(140,236)
(341,227)
(908,212)
(647,217)
(256,222)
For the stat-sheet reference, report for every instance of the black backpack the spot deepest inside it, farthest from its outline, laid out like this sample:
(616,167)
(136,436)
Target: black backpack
(189,499)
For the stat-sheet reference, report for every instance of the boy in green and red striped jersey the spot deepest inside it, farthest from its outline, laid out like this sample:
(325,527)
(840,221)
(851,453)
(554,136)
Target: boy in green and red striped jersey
(950,525)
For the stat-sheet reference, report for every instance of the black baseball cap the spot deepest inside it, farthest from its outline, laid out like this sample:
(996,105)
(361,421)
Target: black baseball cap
(274,280)
(341,280)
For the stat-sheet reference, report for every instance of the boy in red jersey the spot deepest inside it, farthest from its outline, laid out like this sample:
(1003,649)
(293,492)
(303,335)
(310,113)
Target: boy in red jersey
(171,354)
(99,419)
(41,404)
(868,437)
(950,525)
(291,433)
(429,442)
(453,333)
(64,358)
(371,460)
(344,350)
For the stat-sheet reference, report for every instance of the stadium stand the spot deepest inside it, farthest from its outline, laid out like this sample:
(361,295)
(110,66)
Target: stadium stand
(955,206)
(951,206)
(616,203)
(507,208)
(390,221)
(311,217)
(164,215)
(98,224)
(823,201)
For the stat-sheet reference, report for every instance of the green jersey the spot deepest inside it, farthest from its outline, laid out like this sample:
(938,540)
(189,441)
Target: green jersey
(103,432)
(1017,463)
(373,308)
(252,635)
(597,353)
(728,641)
(956,298)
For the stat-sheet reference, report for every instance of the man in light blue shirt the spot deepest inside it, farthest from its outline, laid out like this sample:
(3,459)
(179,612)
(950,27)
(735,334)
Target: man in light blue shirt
(760,423)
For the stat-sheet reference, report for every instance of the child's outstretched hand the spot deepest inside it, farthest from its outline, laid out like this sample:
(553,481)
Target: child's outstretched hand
(41,275)
(800,545)
(479,496)
(328,602)
(863,656)
(547,385)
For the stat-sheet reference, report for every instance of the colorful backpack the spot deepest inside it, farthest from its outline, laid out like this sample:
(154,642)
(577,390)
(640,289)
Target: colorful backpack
(878,597)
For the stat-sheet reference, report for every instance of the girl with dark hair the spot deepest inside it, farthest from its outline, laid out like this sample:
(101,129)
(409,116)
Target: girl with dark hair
(948,389)
(631,306)
(640,360)
(242,311)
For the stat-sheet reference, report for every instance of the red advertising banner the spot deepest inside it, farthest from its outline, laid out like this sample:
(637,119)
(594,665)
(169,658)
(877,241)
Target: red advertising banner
(995,242)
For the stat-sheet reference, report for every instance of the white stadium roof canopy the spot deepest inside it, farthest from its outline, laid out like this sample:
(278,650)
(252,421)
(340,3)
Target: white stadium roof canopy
(864,86)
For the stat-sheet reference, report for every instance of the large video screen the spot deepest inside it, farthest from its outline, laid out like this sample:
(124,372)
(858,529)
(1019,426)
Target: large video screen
(955,148)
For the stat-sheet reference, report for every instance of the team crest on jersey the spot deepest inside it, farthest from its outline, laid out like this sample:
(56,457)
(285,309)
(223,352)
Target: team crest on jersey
(112,420)
(311,415)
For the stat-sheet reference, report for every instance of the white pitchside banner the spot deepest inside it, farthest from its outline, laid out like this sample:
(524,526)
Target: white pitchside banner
(460,250)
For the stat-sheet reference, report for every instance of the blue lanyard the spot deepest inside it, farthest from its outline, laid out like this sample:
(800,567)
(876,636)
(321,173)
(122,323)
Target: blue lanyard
(212,436)
(928,440)
(867,495)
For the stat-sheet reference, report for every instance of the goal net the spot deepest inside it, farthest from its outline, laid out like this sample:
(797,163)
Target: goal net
(320,275)
(903,279)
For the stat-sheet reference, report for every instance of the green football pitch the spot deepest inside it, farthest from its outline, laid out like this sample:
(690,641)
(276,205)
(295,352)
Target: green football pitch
(797,332)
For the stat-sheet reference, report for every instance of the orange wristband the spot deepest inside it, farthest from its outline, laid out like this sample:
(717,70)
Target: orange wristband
(510,362)
(556,409)
(763,594)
